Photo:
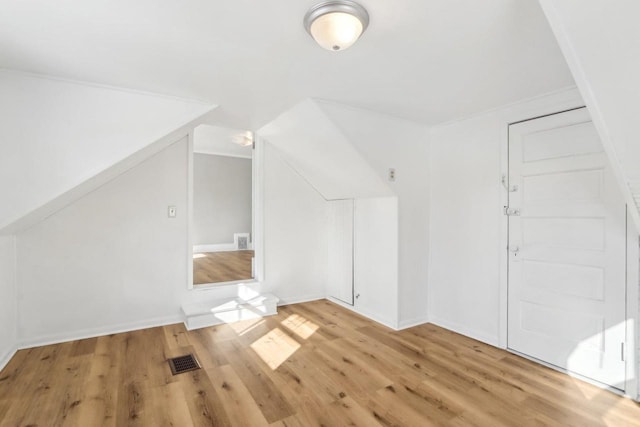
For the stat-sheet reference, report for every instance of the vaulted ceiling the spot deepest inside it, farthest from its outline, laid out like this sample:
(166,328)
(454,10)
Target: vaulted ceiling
(426,60)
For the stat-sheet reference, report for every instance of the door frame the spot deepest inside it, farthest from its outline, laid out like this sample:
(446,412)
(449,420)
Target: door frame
(353,253)
(257,217)
(632,254)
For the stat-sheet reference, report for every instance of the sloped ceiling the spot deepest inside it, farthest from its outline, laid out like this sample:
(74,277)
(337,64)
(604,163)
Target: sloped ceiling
(315,148)
(379,138)
(425,60)
(59,140)
(601,41)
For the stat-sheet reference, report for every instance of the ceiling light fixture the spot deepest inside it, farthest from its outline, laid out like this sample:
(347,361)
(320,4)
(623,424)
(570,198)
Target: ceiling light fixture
(244,139)
(336,25)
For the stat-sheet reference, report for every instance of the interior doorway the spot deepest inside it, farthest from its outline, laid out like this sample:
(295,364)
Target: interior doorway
(222,214)
(340,275)
(566,248)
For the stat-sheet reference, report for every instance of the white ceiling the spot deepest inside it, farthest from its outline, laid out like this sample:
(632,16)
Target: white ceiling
(426,60)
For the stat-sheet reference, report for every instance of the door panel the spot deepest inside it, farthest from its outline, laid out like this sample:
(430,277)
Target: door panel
(564,278)
(566,233)
(340,247)
(570,140)
(567,261)
(563,188)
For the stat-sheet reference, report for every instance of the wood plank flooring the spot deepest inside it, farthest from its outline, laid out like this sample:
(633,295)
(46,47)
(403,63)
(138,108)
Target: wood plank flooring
(216,267)
(314,364)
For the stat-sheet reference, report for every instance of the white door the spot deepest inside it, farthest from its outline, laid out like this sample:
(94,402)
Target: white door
(567,244)
(340,250)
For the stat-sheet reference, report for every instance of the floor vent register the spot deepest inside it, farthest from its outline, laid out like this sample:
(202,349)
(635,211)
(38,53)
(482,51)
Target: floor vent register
(182,364)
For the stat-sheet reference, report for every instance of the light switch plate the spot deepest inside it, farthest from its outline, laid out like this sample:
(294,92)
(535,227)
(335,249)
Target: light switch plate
(171,211)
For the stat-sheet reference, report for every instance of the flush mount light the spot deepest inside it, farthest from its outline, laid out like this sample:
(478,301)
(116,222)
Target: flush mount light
(244,139)
(336,25)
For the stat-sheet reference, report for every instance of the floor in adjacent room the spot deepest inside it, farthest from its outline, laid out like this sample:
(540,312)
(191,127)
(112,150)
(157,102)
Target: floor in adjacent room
(314,364)
(216,267)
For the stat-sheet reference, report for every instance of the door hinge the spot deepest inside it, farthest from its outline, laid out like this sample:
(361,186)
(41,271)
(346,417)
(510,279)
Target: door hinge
(622,351)
(509,188)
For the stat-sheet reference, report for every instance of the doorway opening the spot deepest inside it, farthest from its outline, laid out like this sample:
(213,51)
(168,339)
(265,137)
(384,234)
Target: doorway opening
(222,217)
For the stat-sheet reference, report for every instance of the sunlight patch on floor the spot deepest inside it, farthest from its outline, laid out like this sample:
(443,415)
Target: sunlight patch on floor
(300,326)
(275,347)
(589,391)
(612,415)
(243,326)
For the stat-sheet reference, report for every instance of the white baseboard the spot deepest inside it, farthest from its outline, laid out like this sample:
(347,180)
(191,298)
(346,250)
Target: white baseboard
(409,323)
(373,316)
(4,359)
(301,299)
(97,332)
(363,312)
(219,247)
(466,331)
(316,297)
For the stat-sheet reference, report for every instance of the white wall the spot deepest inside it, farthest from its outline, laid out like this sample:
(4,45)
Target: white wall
(221,198)
(113,260)
(375,263)
(388,142)
(295,238)
(346,152)
(8,300)
(600,40)
(57,135)
(467,227)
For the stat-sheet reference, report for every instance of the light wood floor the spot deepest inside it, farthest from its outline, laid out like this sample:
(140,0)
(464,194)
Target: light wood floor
(314,364)
(215,267)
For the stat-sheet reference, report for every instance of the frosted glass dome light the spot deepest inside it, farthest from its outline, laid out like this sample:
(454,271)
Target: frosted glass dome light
(336,25)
